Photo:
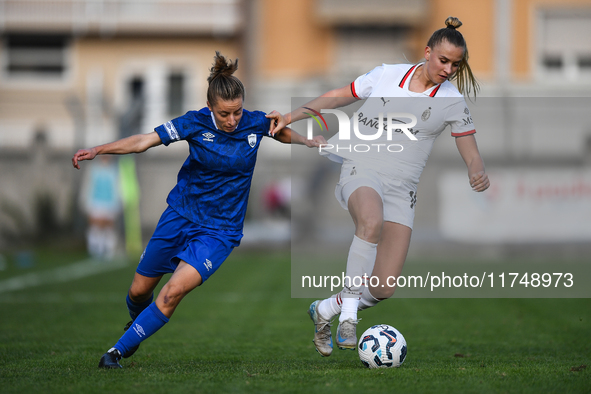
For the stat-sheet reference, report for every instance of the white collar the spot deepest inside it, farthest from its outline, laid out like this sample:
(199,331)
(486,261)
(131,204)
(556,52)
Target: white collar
(213,120)
(427,92)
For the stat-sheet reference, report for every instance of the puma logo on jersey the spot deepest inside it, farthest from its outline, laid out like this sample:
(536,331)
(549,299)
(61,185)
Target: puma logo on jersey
(208,136)
(385,101)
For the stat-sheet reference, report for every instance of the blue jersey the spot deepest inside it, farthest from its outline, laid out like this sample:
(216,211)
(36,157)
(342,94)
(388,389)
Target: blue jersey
(214,182)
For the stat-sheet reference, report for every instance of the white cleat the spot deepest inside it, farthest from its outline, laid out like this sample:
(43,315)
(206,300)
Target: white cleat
(347,334)
(322,335)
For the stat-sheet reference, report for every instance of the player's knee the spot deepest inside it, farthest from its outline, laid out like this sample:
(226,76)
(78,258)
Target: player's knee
(139,294)
(172,294)
(369,228)
(142,288)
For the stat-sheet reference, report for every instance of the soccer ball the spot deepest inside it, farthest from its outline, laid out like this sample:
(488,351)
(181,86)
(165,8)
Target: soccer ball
(382,346)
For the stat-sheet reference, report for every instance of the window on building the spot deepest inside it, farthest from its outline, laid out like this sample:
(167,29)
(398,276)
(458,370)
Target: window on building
(132,118)
(36,56)
(564,45)
(176,94)
(585,63)
(553,62)
(362,48)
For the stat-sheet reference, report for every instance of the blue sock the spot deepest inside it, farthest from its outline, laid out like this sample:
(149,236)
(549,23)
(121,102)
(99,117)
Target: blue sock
(146,324)
(135,309)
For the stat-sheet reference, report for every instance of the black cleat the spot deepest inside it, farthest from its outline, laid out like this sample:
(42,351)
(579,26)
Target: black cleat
(131,351)
(110,360)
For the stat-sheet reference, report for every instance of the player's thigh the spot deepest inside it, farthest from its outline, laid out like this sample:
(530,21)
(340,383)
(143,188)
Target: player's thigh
(392,250)
(366,209)
(142,287)
(185,277)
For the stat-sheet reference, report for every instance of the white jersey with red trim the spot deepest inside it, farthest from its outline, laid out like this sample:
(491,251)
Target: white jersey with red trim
(396,153)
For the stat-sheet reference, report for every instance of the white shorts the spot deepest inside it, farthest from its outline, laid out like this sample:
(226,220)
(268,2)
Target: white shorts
(399,197)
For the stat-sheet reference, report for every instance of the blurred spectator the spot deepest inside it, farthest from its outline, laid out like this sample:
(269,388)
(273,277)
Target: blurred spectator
(277,198)
(101,200)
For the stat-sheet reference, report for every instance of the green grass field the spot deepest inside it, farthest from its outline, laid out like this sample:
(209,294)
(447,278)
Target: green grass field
(241,332)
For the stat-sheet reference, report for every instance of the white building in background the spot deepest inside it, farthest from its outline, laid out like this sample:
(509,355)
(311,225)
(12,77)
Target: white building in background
(74,67)
(76,73)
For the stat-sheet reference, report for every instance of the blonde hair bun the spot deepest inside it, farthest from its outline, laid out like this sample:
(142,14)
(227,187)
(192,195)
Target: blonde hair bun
(452,22)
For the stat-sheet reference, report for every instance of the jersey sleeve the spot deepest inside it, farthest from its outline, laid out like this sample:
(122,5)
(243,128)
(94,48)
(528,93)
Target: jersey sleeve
(364,85)
(460,119)
(265,124)
(177,129)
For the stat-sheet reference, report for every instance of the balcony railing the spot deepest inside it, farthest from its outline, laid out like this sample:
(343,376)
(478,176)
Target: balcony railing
(217,17)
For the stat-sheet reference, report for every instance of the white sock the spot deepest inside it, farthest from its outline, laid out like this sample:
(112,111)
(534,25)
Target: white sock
(110,243)
(362,255)
(367,300)
(93,241)
(330,307)
(349,308)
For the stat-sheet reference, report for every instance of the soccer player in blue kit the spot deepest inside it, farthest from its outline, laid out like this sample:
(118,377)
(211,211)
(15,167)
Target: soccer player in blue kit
(204,218)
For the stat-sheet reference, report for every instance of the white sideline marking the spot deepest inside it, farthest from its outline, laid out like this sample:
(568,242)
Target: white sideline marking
(61,298)
(70,272)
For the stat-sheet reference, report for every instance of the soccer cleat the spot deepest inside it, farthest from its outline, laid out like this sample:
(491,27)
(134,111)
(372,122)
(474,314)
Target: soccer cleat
(131,351)
(322,335)
(347,334)
(110,360)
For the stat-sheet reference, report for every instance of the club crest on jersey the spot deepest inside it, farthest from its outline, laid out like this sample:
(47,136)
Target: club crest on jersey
(208,136)
(426,114)
(252,140)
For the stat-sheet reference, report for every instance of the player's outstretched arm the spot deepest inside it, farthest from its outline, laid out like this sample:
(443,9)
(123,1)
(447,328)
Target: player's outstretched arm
(134,144)
(476,172)
(288,136)
(332,99)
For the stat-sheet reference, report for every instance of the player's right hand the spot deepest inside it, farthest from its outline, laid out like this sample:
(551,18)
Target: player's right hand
(278,122)
(83,154)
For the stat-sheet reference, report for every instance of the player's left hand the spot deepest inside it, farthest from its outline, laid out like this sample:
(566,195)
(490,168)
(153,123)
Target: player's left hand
(315,142)
(479,181)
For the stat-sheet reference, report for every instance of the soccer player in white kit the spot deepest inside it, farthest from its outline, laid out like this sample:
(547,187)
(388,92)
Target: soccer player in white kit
(379,189)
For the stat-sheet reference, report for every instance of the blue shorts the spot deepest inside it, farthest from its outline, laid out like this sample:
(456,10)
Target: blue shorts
(177,238)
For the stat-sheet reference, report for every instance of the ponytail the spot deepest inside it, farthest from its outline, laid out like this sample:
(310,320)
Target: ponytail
(222,83)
